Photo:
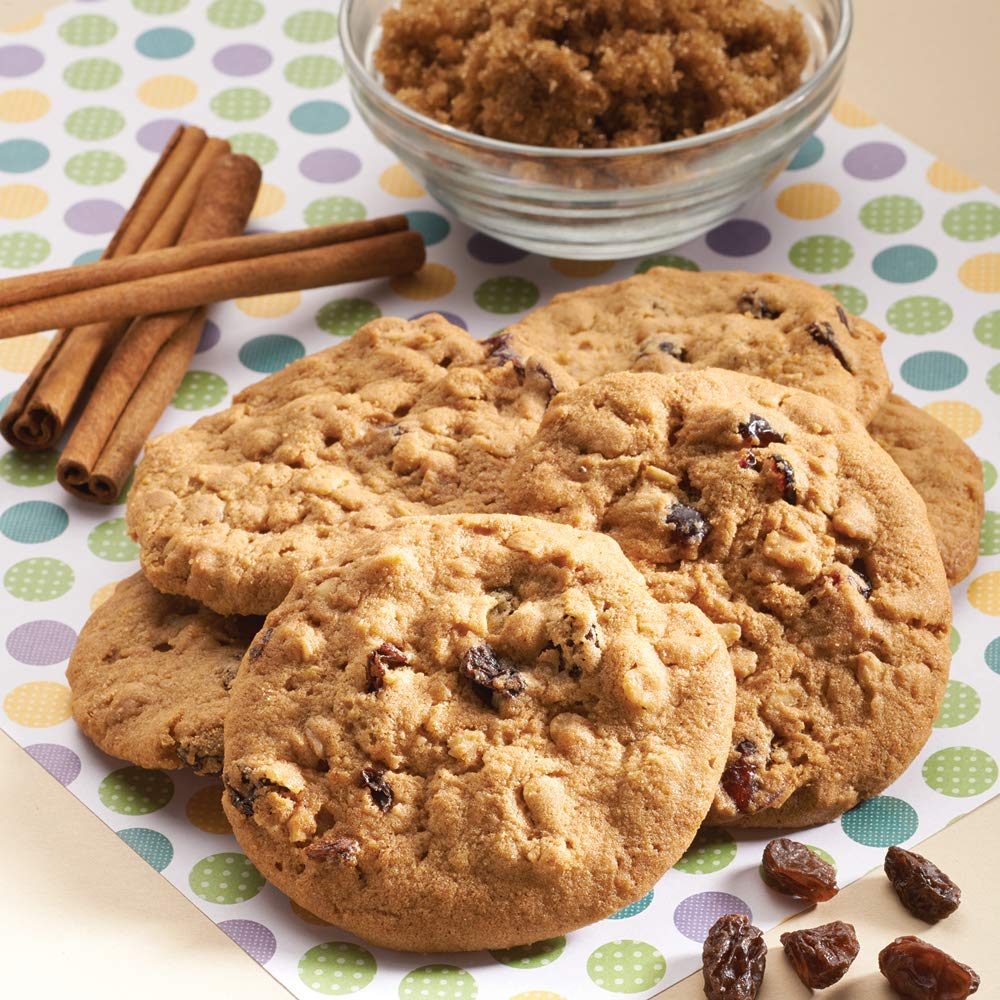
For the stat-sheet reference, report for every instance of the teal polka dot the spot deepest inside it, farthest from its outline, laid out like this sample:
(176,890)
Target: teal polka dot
(975,220)
(96,166)
(324,211)
(892,213)
(934,370)
(960,772)
(33,521)
(271,353)
(337,968)
(313,72)
(92,74)
(21,156)
(987,329)
(29,468)
(88,256)
(633,909)
(159,6)
(134,791)
(920,314)
(506,295)
(989,476)
(821,254)
(261,147)
(311,26)
(961,703)
(225,878)
(150,845)
(164,43)
(41,579)
(235,13)
(992,655)
(109,540)
(810,152)
(432,227)
(989,535)
(19,250)
(852,299)
(199,390)
(880,822)
(442,982)
(342,317)
(240,103)
(954,640)
(319,117)
(711,851)
(904,264)
(993,378)
(532,956)
(94,124)
(666,260)
(88,29)
(626,966)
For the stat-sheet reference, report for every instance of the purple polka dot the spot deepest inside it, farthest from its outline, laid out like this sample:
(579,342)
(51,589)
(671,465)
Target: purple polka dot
(154,135)
(450,317)
(19,60)
(98,215)
(41,643)
(491,251)
(241,60)
(739,238)
(874,161)
(330,165)
(210,334)
(255,939)
(59,761)
(695,915)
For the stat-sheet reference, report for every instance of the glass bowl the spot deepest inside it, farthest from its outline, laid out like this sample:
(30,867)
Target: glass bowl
(598,204)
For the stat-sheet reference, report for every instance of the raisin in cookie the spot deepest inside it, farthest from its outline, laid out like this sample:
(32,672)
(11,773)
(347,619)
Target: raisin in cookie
(473,732)
(670,320)
(150,677)
(774,512)
(403,418)
(946,473)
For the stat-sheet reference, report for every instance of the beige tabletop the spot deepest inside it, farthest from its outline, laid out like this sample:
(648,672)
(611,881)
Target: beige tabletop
(114,928)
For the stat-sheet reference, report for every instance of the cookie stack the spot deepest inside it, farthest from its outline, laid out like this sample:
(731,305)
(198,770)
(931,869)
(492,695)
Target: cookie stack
(478,634)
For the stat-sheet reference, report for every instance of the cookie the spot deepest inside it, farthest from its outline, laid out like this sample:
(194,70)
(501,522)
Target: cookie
(403,418)
(774,512)
(946,473)
(472,732)
(150,677)
(668,320)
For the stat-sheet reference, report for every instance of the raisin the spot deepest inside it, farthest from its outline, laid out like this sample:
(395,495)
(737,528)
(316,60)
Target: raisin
(345,850)
(786,479)
(244,800)
(373,778)
(733,959)
(922,887)
(757,431)
(379,660)
(861,579)
(752,304)
(257,649)
(653,345)
(791,868)
(918,970)
(547,378)
(749,460)
(823,333)
(500,348)
(492,674)
(739,780)
(821,955)
(687,524)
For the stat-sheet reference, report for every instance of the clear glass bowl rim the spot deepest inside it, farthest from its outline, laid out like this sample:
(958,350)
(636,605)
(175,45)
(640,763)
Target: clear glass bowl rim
(761,120)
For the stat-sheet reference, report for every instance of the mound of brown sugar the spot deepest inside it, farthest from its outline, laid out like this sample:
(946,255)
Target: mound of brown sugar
(590,73)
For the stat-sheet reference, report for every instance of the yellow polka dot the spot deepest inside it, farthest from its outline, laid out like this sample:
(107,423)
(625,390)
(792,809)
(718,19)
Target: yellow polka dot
(204,810)
(19,354)
(537,995)
(398,181)
(963,418)
(270,306)
(851,115)
(945,177)
(808,201)
(581,268)
(21,201)
(99,596)
(23,105)
(430,282)
(37,704)
(984,593)
(167,91)
(981,273)
(270,199)
(309,918)
(31,22)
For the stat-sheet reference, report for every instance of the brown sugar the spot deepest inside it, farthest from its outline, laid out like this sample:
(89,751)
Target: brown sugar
(590,73)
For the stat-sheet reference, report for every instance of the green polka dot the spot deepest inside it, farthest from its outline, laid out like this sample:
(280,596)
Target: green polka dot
(336,968)
(225,878)
(96,166)
(134,791)
(199,390)
(28,468)
(159,6)
(261,147)
(311,26)
(440,982)
(880,822)
(92,74)
(506,295)
(959,772)
(975,220)
(532,956)
(240,104)
(235,13)
(151,846)
(710,852)
(961,703)
(989,535)
(892,213)
(324,211)
(19,250)
(343,316)
(954,640)
(821,254)
(666,260)
(987,329)
(626,966)
(33,521)
(313,72)
(41,579)
(852,299)
(919,314)
(934,370)
(109,540)
(93,124)
(88,29)
(993,378)
(271,352)
(989,475)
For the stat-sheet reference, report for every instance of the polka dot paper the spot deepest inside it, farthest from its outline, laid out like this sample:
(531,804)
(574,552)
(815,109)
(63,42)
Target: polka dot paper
(88,96)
